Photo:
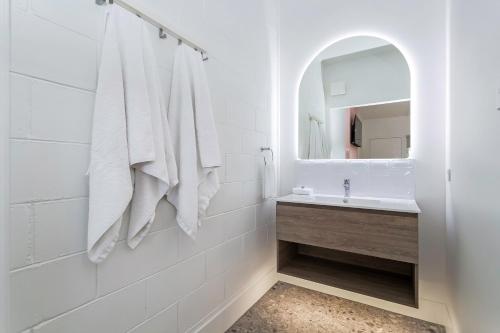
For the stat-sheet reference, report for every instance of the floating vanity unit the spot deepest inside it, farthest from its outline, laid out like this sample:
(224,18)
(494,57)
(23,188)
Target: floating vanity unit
(365,245)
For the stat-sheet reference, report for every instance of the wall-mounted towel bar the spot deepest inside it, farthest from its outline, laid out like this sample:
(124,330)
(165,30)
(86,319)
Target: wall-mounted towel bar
(163,30)
(263,149)
(311,117)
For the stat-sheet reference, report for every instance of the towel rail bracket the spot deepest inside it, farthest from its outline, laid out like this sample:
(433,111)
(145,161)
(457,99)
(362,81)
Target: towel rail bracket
(263,149)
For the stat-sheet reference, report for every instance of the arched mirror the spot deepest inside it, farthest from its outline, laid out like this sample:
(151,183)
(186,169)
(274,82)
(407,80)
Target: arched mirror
(354,102)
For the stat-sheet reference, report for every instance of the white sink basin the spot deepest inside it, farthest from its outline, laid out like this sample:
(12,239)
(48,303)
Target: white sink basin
(388,204)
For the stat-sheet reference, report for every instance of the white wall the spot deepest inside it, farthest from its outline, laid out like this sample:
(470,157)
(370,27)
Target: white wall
(474,222)
(169,282)
(389,127)
(371,76)
(415,27)
(4,165)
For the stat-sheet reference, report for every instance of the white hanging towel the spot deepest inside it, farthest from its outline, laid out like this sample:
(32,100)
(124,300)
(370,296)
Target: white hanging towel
(206,133)
(110,183)
(152,179)
(195,140)
(269,179)
(129,130)
(317,142)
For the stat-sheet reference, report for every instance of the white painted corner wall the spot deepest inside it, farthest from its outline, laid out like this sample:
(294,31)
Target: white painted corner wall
(473,219)
(169,281)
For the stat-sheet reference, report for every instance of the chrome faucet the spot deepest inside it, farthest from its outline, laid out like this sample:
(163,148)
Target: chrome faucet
(347,188)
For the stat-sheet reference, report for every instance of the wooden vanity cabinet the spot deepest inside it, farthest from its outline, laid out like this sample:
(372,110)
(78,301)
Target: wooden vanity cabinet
(371,252)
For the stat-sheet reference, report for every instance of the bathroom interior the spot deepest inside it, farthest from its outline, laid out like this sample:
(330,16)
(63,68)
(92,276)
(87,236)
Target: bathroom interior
(249,166)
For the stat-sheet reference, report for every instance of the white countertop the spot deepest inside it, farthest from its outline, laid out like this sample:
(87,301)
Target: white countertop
(387,204)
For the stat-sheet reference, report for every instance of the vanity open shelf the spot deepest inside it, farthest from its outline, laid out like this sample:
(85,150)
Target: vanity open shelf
(372,252)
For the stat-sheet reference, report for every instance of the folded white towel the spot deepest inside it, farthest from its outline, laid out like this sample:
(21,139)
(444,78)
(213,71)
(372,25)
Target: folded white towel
(269,179)
(152,179)
(110,180)
(195,140)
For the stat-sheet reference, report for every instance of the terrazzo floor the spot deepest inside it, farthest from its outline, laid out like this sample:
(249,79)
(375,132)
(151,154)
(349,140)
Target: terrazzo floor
(287,308)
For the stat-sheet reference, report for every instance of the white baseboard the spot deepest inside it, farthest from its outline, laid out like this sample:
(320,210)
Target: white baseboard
(231,311)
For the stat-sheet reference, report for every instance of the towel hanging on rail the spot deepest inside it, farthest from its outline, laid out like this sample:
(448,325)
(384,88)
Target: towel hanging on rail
(110,182)
(153,178)
(195,140)
(130,136)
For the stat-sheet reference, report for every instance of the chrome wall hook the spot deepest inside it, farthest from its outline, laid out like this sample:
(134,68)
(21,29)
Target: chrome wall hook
(162,34)
(263,149)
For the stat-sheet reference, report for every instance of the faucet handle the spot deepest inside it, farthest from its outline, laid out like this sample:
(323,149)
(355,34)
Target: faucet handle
(347,181)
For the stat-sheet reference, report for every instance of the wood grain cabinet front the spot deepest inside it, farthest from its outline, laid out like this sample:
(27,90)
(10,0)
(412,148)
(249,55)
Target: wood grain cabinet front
(372,252)
(382,234)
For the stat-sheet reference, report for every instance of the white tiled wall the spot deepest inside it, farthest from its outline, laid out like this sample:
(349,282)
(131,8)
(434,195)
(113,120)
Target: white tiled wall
(169,283)
(371,178)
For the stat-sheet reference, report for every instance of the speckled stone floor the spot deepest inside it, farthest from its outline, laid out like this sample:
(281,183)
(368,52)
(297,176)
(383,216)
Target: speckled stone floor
(288,308)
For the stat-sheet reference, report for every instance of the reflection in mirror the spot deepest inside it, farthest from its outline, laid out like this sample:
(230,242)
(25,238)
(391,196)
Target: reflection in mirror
(354,102)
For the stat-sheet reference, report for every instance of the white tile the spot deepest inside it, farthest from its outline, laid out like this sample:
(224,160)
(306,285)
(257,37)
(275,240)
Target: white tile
(236,278)
(61,113)
(241,167)
(230,139)
(44,291)
(118,312)
(218,92)
(252,141)
(265,213)
(234,111)
(239,222)
(60,228)
(20,106)
(263,120)
(252,192)
(233,167)
(229,197)
(21,236)
(257,260)
(247,116)
(200,303)
(250,167)
(20,4)
(255,244)
(43,49)
(82,16)
(168,286)
(44,171)
(324,176)
(224,256)
(163,322)
(157,251)
(210,233)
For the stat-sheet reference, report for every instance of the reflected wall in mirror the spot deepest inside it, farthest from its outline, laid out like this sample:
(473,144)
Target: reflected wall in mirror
(354,102)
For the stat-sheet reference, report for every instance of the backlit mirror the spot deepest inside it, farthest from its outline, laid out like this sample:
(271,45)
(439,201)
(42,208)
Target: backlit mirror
(354,102)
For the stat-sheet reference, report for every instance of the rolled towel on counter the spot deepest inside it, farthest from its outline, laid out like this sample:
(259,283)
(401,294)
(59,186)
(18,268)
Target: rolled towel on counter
(303,190)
